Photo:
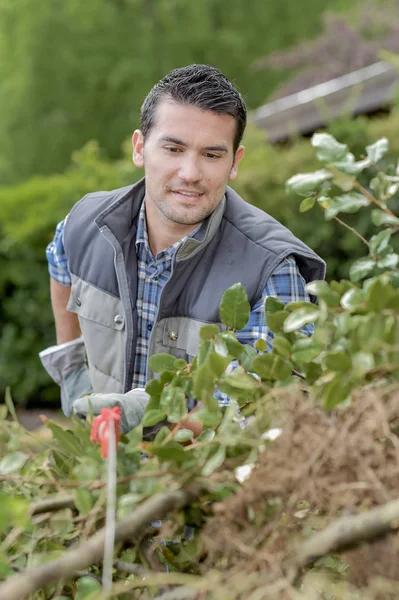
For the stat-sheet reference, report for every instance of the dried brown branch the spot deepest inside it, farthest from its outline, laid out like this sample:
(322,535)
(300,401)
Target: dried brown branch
(88,553)
(348,531)
(52,504)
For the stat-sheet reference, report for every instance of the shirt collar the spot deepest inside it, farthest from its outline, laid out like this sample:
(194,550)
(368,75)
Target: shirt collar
(142,235)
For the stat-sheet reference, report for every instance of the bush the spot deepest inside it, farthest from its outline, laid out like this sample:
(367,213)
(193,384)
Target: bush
(29,213)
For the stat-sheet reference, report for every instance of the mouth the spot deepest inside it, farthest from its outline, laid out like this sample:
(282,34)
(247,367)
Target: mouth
(188,195)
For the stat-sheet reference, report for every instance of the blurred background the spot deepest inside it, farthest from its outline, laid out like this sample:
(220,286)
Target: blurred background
(73,76)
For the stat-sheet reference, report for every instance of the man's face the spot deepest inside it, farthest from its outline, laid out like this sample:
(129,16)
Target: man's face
(188,159)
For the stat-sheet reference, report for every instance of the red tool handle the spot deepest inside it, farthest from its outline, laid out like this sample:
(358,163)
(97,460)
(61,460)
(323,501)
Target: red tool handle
(100,428)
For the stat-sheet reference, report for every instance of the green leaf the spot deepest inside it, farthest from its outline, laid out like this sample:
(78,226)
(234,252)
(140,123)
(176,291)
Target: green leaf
(306,349)
(241,380)
(380,217)
(173,402)
(261,345)
(273,305)
(328,149)
(10,404)
(217,364)
(307,204)
(209,332)
(353,299)
(203,351)
(380,243)
(180,364)
(346,203)
(154,387)
(341,180)
(183,435)
(206,435)
(335,392)
(275,321)
(362,363)
(13,462)
(299,318)
(204,382)
(304,184)
(152,417)
(281,345)
(87,588)
(377,150)
(323,291)
(271,367)
(208,418)
(171,451)
(388,262)
(234,307)
(377,296)
(161,362)
(246,357)
(67,441)
(350,167)
(337,361)
(216,460)
(83,501)
(361,268)
(234,347)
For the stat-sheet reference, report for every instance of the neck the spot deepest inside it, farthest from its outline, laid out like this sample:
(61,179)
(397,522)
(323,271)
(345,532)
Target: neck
(161,232)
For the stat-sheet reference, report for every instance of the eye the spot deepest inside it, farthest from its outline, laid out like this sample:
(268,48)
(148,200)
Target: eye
(212,156)
(173,149)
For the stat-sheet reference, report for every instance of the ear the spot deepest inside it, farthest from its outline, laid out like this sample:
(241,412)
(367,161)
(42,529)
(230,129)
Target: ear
(138,148)
(239,155)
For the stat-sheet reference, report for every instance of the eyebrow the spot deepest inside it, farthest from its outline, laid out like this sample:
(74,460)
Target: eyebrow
(217,148)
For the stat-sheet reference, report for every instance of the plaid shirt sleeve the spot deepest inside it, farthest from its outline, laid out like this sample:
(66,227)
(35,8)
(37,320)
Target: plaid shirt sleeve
(286,284)
(56,258)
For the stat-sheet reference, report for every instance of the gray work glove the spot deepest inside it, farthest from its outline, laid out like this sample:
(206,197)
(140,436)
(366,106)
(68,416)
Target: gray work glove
(66,365)
(132,405)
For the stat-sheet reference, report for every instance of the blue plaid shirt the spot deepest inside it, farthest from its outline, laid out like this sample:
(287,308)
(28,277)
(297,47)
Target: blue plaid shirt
(286,283)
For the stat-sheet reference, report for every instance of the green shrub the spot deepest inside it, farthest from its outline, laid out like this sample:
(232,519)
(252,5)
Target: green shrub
(28,215)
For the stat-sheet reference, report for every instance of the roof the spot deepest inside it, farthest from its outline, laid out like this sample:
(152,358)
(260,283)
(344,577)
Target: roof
(359,92)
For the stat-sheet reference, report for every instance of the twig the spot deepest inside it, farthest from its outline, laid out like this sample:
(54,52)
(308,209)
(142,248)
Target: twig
(372,199)
(353,230)
(348,531)
(130,568)
(95,485)
(17,587)
(52,504)
(181,593)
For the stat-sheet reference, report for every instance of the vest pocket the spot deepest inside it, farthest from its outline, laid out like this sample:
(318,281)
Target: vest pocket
(102,322)
(182,334)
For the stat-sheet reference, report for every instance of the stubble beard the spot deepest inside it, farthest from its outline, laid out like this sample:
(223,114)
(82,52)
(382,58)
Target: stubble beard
(189,216)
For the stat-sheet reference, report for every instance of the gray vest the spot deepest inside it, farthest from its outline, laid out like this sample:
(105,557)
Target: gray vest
(237,243)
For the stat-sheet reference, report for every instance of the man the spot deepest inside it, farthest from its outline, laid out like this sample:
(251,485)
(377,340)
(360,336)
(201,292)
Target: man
(139,270)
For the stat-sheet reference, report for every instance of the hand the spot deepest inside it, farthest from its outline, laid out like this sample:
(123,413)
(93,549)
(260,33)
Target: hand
(132,405)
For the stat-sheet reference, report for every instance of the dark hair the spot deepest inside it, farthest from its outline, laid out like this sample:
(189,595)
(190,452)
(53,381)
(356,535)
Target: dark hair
(197,85)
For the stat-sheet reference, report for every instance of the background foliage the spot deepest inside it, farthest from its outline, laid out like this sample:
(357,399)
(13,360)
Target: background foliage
(73,71)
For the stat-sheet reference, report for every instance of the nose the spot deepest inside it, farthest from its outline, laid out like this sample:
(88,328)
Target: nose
(190,170)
